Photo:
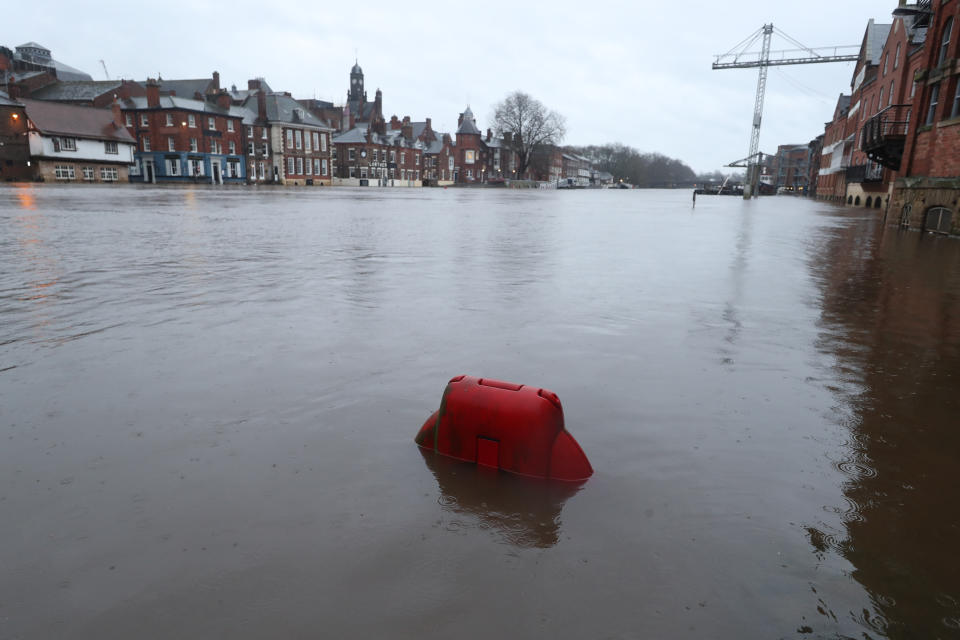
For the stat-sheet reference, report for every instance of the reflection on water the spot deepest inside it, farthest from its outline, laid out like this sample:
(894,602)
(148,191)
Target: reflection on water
(891,317)
(208,398)
(521,512)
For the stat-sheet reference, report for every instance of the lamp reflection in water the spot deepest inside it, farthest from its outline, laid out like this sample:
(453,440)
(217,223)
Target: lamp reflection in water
(522,512)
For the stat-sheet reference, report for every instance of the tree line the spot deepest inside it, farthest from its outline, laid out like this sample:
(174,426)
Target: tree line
(534,129)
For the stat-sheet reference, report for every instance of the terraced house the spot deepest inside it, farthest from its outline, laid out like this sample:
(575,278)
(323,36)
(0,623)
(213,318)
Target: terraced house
(288,141)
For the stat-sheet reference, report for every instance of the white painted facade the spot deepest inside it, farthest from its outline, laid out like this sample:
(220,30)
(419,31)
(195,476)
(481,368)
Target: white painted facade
(87,150)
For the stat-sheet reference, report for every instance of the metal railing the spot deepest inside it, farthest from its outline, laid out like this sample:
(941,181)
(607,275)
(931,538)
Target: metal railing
(888,124)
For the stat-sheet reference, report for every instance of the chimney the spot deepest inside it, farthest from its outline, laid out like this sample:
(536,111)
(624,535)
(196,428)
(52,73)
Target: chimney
(117,113)
(254,84)
(261,105)
(394,122)
(460,121)
(153,93)
(489,134)
(407,130)
(223,100)
(429,127)
(216,80)
(507,138)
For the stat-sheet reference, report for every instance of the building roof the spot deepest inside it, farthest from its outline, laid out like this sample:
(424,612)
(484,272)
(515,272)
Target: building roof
(75,90)
(73,120)
(468,125)
(392,138)
(874,40)
(191,104)
(7,102)
(32,45)
(283,108)
(184,88)
(66,72)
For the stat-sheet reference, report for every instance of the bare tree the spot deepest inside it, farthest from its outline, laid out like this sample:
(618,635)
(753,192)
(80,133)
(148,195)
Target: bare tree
(530,126)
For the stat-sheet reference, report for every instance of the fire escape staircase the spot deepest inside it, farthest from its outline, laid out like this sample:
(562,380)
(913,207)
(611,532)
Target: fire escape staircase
(884,135)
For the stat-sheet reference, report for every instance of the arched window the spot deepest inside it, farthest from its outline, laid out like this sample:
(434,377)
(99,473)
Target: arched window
(937,220)
(876,203)
(890,97)
(880,100)
(896,59)
(856,201)
(886,61)
(869,202)
(849,199)
(945,41)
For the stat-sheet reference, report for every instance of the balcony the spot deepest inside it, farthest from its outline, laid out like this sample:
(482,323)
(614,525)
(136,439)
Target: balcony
(870,172)
(884,135)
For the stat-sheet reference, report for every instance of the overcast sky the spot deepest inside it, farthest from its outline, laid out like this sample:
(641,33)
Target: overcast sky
(632,72)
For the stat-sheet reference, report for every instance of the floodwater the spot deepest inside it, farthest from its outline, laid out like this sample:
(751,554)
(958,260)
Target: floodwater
(208,400)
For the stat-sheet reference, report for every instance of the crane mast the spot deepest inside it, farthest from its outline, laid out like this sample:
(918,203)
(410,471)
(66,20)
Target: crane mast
(739,58)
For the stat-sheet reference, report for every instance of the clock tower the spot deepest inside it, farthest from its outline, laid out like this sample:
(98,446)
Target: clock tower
(356,93)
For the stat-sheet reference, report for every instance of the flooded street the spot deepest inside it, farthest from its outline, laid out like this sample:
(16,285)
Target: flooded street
(208,400)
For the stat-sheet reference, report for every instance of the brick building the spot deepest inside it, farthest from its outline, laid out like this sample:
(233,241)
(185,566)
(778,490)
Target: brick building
(835,154)
(925,195)
(185,139)
(285,142)
(791,166)
(373,155)
(15,162)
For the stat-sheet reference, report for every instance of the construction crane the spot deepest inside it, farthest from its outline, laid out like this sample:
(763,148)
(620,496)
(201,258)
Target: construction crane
(106,74)
(741,58)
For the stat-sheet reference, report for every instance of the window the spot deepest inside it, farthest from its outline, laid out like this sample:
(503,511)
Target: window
(880,100)
(351,154)
(306,141)
(363,171)
(955,110)
(195,167)
(896,59)
(211,123)
(333,153)
(316,165)
(129,120)
(299,166)
(193,144)
(249,132)
(110,147)
(88,173)
(913,89)
(309,167)
(298,138)
(416,159)
(323,142)
(263,133)
(230,125)
(890,97)
(173,167)
(403,157)
(450,163)
(934,98)
(169,117)
(323,166)
(290,166)
(886,61)
(938,220)
(144,121)
(109,174)
(289,138)
(945,42)
(469,157)
(266,149)
(250,149)
(171,144)
(233,148)
(64,172)
(316,140)
(393,156)
(353,172)
(146,143)
(261,172)
(68,144)
(192,120)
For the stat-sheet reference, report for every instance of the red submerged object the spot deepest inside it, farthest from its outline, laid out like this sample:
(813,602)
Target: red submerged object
(506,426)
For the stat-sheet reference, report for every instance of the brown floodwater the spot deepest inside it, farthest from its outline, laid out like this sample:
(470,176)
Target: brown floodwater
(208,400)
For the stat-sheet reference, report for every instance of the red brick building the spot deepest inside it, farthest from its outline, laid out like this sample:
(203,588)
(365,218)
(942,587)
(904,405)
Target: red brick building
(926,195)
